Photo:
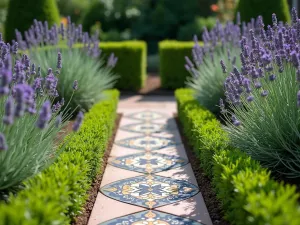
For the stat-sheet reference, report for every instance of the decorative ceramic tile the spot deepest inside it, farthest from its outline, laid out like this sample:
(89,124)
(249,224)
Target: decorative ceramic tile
(148,162)
(150,191)
(151,218)
(147,115)
(146,143)
(145,128)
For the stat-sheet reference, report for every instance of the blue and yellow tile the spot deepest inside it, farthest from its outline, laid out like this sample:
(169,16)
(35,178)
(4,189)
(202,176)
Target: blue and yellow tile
(151,218)
(145,128)
(146,143)
(150,191)
(148,162)
(147,115)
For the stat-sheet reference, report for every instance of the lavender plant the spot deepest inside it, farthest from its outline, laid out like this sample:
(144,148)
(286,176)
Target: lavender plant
(29,122)
(82,61)
(264,98)
(207,79)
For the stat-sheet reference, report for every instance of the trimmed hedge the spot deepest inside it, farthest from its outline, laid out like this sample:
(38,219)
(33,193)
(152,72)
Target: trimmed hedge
(246,191)
(131,65)
(21,13)
(58,194)
(172,71)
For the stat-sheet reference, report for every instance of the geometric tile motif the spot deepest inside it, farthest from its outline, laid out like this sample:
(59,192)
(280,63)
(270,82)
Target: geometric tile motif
(146,143)
(148,162)
(150,191)
(151,218)
(145,128)
(147,115)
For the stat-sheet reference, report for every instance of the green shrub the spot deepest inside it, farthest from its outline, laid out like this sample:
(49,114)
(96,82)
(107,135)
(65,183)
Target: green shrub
(172,71)
(187,32)
(73,8)
(21,14)
(57,195)
(92,74)
(131,66)
(248,10)
(247,193)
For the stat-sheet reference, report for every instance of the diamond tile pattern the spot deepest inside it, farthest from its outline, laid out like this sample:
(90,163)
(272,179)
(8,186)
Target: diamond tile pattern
(148,162)
(150,191)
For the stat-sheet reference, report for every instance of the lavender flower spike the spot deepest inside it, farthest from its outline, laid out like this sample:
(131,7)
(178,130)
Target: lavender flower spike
(223,66)
(78,121)
(298,99)
(45,115)
(59,64)
(75,85)
(294,15)
(3,145)
(8,118)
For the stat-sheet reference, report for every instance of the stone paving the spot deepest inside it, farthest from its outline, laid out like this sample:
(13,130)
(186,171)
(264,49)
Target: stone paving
(148,179)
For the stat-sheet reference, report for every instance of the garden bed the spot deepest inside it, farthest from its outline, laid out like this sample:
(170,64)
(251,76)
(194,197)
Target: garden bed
(59,193)
(204,182)
(247,193)
(83,218)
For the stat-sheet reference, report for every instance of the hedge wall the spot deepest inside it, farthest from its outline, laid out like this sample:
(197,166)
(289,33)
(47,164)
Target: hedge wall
(246,191)
(131,65)
(58,194)
(172,71)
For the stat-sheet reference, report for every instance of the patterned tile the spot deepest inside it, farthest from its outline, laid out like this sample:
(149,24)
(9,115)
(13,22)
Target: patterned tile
(151,218)
(146,143)
(150,191)
(145,128)
(147,115)
(148,162)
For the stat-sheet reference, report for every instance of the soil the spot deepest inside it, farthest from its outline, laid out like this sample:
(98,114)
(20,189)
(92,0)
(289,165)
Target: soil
(83,218)
(212,203)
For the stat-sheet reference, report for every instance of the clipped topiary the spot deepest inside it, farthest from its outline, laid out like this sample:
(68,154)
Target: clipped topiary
(253,8)
(21,14)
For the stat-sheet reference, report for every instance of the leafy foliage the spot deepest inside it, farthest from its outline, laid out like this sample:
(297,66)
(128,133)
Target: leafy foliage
(131,66)
(172,72)
(57,195)
(21,13)
(241,184)
(248,10)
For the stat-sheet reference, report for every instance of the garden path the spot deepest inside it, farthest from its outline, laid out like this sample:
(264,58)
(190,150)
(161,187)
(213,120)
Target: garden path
(148,179)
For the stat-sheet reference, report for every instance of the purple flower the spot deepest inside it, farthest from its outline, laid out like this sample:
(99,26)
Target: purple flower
(264,93)
(37,84)
(75,85)
(51,83)
(274,20)
(19,95)
(112,60)
(272,77)
(59,63)
(250,98)
(235,121)
(33,72)
(45,115)
(223,66)
(257,84)
(3,144)
(39,72)
(15,48)
(8,118)
(294,15)
(189,62)
(78,121)
(56,107)
(62,102)
(238,18)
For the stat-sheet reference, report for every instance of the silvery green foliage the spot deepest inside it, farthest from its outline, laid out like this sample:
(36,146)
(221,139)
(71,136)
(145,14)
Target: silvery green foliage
(82,61)
(29,123)
(263,96)
(207,79)
(92,75)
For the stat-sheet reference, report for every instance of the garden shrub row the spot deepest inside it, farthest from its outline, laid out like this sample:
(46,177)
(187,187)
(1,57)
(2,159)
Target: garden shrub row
(246,191)
(58,194)
(131,65)
(172,71)
(132,62)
